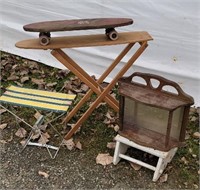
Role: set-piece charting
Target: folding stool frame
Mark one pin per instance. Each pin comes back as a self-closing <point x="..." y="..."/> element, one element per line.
<point x="38" y="123"/>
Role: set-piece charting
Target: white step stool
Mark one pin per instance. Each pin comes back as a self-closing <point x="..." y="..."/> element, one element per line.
<point x="123" y="144"/>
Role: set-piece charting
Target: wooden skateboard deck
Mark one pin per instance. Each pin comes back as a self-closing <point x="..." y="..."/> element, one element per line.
<point x="44" y="28"/>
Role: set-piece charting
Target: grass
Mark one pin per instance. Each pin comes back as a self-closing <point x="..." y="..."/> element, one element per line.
<point x="94" y="132"/>
<point x="186" y="161"/>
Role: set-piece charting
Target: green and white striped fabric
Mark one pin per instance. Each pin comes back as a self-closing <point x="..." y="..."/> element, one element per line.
<point x="39" y="99"/>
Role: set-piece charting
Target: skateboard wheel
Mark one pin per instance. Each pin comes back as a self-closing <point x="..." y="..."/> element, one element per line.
<point x="44" y="40"/>
<point x="112" y="33"/>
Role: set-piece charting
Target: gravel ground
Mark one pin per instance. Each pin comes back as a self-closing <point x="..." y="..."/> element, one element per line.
<point x="75" y="169"/>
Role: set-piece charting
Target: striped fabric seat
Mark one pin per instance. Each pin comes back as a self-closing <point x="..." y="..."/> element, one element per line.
<point x="39" y="99"/>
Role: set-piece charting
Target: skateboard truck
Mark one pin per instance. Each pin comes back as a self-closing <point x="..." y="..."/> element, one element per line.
<point x="45" y="37"/>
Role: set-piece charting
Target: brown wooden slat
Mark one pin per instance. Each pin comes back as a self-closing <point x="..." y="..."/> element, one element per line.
<point x="85" y="41"/>
<point x="149" y="138"/>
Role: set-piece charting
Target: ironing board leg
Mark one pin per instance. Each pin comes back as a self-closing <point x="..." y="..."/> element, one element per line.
<point x="107" y="89"/>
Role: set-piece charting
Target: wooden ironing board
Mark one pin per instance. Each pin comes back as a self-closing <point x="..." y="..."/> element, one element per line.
<point x="58" y="43"/>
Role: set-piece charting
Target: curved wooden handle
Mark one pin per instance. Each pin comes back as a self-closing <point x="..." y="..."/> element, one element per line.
<point x="160" y="87"/>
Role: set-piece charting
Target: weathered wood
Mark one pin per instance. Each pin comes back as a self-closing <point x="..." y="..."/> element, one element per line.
<point x="85" y="41"/>
<point x="159" y="96"/>
<point x="80" y="73"/>
<point x="57" y="43"/>
<point x="77" y="24"/>
<point x="99" y="81"/>
<point x="145" y="136"/>
<point x="153" y="116"/>
<point x="107" y="89"/>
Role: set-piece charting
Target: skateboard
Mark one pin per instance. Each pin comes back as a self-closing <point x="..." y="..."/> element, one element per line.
<point x="45" y="28"/>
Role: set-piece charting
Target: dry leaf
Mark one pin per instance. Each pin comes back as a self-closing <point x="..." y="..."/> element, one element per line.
<point x="196" y="135"/>
<point x="76" y="90"/>
<point x="113" y="95"/>
<point x="67" y="85"/>
<point x="43" y="127"/>
<point x="70" y="92"/>
<point x="163" y="178"/>
<point x="72" y="126"/>
<point x="18" y="83"/>
<point x="13" y="77"/>
<point x="135" y="166"/>
<point x="24" y="79"/>
<point x="75" y="81"/>
<point x="35" y="71"/>
<point x="116" y="128"/>
<point x="33" y="65"/>
<point x="46" y="135"/>
<point x="3" y="126"/>
<point x="101" y="104"/>
<point x="14" y="66"/>
<point x="24" y="72"/>
<point x="106" y="121"/>
<point x="79" y="145"/>
<point x="11" y="138"/>
<point x="44" y="174"/>
<point x="3" y="142"/>
<point x="23" y="142"/>
<point x="183" y="159"/>
<point x="36" y="135"/>
<point x="38" y="81"/>
<point x="111" y="145"/>
<point x="104" y="159"/>
<point x="2" y="111"/>
<point x="21" y="132"/>
<point x="111" y="126"/>
<point x="44" y="138"/>
<point x="190" y="150"/>
<point x="84" y="87"/>
<point x="194" y="118"/>
<point x="81" y="95"/>
<point x="194" y="155"/>
<point x="62" y="73"/>
<point x="187" y="136"/>
<point x="51" y="84"/>
<point x="108" y="115"/>
<point x="4" y="62"/>
<point x="69" y="144"/>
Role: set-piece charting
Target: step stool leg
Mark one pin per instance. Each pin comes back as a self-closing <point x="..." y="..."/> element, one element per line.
<point x="171" y="154"/>
<point x="162" y="164"/>
<point x="120" y="148"/>
<point x="159" y="169"/>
